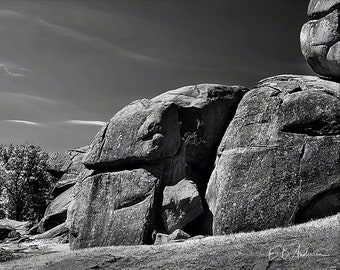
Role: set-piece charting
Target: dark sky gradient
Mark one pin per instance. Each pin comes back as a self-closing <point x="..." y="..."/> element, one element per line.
<point x="84" y="60"/>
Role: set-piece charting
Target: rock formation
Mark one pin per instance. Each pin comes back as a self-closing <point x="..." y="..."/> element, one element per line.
<point x="210" y="159"/>
<point x="66" y="168"/>
<point x="148" y="145"/>
<point x="280" y="151"/>
<point x="320" y="37"/>
<point x="181" y="204"/>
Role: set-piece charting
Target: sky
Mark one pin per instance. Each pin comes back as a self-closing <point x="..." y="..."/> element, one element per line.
<point x="66" y="67"/>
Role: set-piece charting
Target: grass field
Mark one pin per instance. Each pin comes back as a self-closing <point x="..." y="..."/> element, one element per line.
<point x="313" y="245"/>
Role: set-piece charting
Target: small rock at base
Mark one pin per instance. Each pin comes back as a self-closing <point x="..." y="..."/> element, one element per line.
<point x="177" y="235"/>
<point x="161" y="239"/>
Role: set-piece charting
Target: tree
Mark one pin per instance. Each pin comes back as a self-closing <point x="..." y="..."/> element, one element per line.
<point x="24" y="180"/>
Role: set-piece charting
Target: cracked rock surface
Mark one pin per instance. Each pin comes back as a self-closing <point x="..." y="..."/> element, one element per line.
<point x="157" y="142"/>
<point x="114" y="209"/>
<point x="281" y="149"/>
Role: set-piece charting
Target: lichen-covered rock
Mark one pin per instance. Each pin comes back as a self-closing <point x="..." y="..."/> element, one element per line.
<point x="181" y="204"/>
<point x="115" y="208"/>
<point x="280" y="151"/>
<point x="320" y="37"/>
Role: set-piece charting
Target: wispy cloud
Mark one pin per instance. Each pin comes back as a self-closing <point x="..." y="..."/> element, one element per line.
<point x="24" y="98"/>
<point x="9" y="13"/>
<point x="10" y="70"/>
<point x="85" y="122"/>
<point x="119" y="50"/>
<point x="30" y="123"/>
<point x="64" y="30"/>
<point x="66" y="122"/>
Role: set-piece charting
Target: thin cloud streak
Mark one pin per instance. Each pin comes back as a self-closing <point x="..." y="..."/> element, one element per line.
<point x="68" y="32"/>
<point x="9" y="70"/>
<point x="30" y="123"/>
<point x="83" y="37"/>
<point x="9" y="13"/>
<point x="85" y="122"/>
<point x="67" y="122"/>
<point x="26" y="97"/>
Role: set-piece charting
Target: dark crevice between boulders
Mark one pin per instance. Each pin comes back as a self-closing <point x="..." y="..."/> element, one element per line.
<point x="57" y="190"/>
<point x="48" y="223"/>
<point x="154" y="221"/>
<point x="131" y="163"/>
<point x="324" y="204"/>
<point x="202" y="225"/>
<point x="314" y="128"/>
<point x="56" y="174"/>
<point x="102" y="140"/>
<point x="320" y="15"/>
<point x="200" y="155"/>
<point x="158" y="222"/>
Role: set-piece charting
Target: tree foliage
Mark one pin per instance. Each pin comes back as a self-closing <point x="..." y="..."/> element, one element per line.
<point x="24" y="184"/>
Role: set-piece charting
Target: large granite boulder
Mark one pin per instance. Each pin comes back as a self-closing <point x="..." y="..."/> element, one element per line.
<point x="320" y="37"/>
<point x="142" y="131"/>
<point x="116" y="208"/>
<point x="151" y="130"/>
<point x="181" y="205"/>
<point x="163" y="139"/>
<point x="279" y="156"/>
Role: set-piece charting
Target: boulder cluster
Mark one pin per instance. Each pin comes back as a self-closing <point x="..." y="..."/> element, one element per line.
<point x="210" y="159"/>
<point x="320" y="37"/>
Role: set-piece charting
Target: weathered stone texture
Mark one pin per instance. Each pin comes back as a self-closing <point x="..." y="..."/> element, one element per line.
<point x="114" y="209"/>
<point x="162" y="138"/>
<point x="280" y="150"/>
<point x="320" y="37"/>
<point x="181" y="205"/>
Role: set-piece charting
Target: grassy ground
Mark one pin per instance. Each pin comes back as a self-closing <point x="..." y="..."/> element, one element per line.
<point x="314" y="245"/>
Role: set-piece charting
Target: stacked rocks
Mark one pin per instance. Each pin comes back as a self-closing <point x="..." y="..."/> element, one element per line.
<point x="141" y="156"/>
<point x="280" y="152"/>
<point x="320" y="37"/>
<point x="211" y="158"/>
<point x="65" y="167"/>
